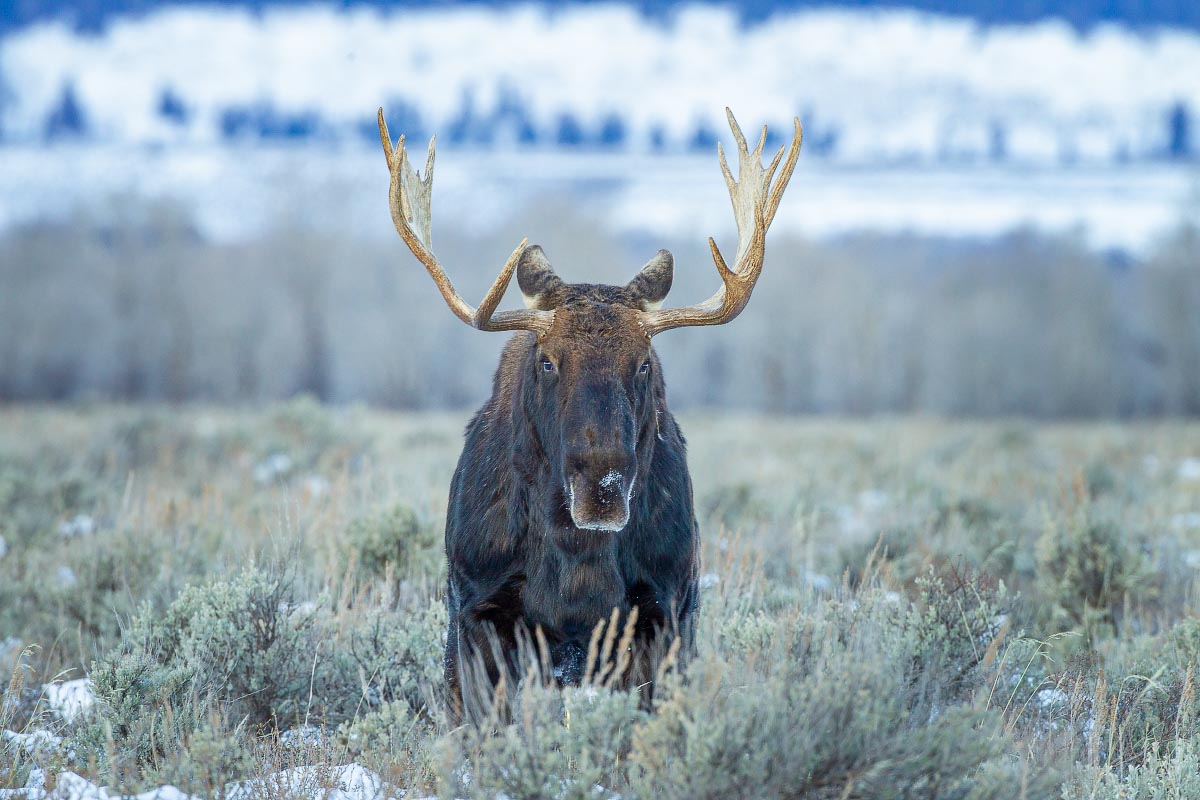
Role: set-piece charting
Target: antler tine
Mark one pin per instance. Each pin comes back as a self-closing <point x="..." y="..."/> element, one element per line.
<point x="409" y="198"/>
<point x="386" y="139"/>
<point x="785" y="174"/>
<point x="429" y="159"/>
<point x="729" y="181"/>
<point x="737" y="132"/>
<point x="755" y="201"/>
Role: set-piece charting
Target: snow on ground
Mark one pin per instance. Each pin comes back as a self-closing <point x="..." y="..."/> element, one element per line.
<point x="81" y="525"/>
<point x="69" y="699"/>
<point x="892" y="85"/>
<point x="349" y="782"/>
<point x="1189" y="469"/>
<point x="34" y="745"/>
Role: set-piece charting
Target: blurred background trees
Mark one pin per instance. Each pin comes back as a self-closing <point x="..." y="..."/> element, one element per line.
<point x="142" y="308"/>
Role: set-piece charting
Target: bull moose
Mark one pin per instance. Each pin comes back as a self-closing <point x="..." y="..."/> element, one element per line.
<point x="571" y="505"/>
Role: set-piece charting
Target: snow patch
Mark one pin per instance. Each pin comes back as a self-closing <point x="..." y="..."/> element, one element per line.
<point x="919" y="87"/>
<point x="69" y="699"/>
<point x="1187" y="521"/>
<point x="78" y="526"/>
<point x="316" y="486"/>
<point x="349" y="782"/>
<point x="35" y="744"/>
<point x="1052" y="698"/>
<point x="818" y="581"/>
<point x="272" y="468"/>
<point x="10" y="647"/>
<point x="305" y="735"/>
<point x="65" y="576"/>
<point x="1189" y="469"/>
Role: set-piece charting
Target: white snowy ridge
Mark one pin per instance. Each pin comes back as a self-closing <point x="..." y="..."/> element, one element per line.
<point x="892" y="86"/>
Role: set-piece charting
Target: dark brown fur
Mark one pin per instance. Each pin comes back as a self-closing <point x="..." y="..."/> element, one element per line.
<point x="596" y="426"/>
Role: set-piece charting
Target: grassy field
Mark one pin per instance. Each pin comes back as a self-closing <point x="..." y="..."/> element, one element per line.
<point x="892" y="608"/>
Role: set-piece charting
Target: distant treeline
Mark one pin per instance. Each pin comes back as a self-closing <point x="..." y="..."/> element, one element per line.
<point x="139" y="307"/>
<point x="1082" y="14"/>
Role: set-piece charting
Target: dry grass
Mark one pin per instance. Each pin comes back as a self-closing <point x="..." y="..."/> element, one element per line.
<point x="893" y="608"/>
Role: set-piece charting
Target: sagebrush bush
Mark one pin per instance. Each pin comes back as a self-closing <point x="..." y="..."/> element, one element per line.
<point x="850" y="700"/>
<point x="1086" y="568"/>
<point x="248" y="639"/>
<point x="852" y="641"/>
<point x="209" y="756"/>
<point x="380" y="657"/>
<point x="561" y="744"/>
<point x="392" y="542"/>
<point x="240" y="647"/>
<point x="36" y="497"/>
<point x="147" y="711"/>
<point x="865" y="696"/>
<point x="962" y="616"/>
<point x="1170" y="775"/>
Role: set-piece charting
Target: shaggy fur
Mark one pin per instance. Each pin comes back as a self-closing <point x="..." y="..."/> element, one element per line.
<point x="548" y="461"/>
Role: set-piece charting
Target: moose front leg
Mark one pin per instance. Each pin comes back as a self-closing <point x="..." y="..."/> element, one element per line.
<point x="664" y="635"/>
<point x="482" y="666"/>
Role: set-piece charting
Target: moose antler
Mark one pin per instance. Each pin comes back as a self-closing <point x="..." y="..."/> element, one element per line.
<point x="755" y="201"/>
<point x="409" y="196"/>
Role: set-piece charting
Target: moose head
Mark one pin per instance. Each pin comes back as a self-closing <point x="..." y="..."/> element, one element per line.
<point x="590" y="389"/>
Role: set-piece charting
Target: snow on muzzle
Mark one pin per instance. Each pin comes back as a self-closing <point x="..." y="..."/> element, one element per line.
<point x="600" y="503"/>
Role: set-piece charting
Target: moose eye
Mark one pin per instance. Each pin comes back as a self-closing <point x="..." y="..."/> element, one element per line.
<point x="547" y="365"/>
<point x="645" y="368"/>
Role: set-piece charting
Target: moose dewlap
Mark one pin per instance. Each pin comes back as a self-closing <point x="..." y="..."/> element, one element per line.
<point x="570" y="533"/>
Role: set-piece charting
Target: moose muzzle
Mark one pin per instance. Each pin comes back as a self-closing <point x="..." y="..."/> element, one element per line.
<point x="599" y="487"/>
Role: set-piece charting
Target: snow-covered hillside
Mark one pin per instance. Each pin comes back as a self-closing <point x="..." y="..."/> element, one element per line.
<point x="870" y="86"/>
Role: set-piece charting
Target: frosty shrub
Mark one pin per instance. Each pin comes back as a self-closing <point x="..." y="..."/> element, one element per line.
<point x="1183" y="644"/>
<point x="239" y="645"/>
<point x="560" y="744"/>
<point x="962" y="615"/>
<point x="384" y="657"/>
<point x="851" y="700"/>
<point x="866" y="696"/>
<point x="1173" y="775"/>
<point x="34" y="497"/>
<point x="393" y="540"/>
<point x="1086" y="569"/>
<point x="394" y="741"/>
<point x="312" y="435"/>
<point x="389" y="728"/>
<point x="147" y="710"/>
<point x="81" y="589"/>
<point x="247" y="638"/>
<point x="208" y="757"/>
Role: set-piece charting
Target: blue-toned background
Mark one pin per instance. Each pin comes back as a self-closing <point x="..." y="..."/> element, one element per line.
<point x="994" y="212"/>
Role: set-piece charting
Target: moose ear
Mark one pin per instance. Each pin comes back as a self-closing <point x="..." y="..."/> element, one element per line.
<point x="651" y="285"/>
<point x="536" y="278"/>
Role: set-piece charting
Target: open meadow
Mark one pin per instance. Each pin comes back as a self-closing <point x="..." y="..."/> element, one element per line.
<point x="890" y="608"/>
